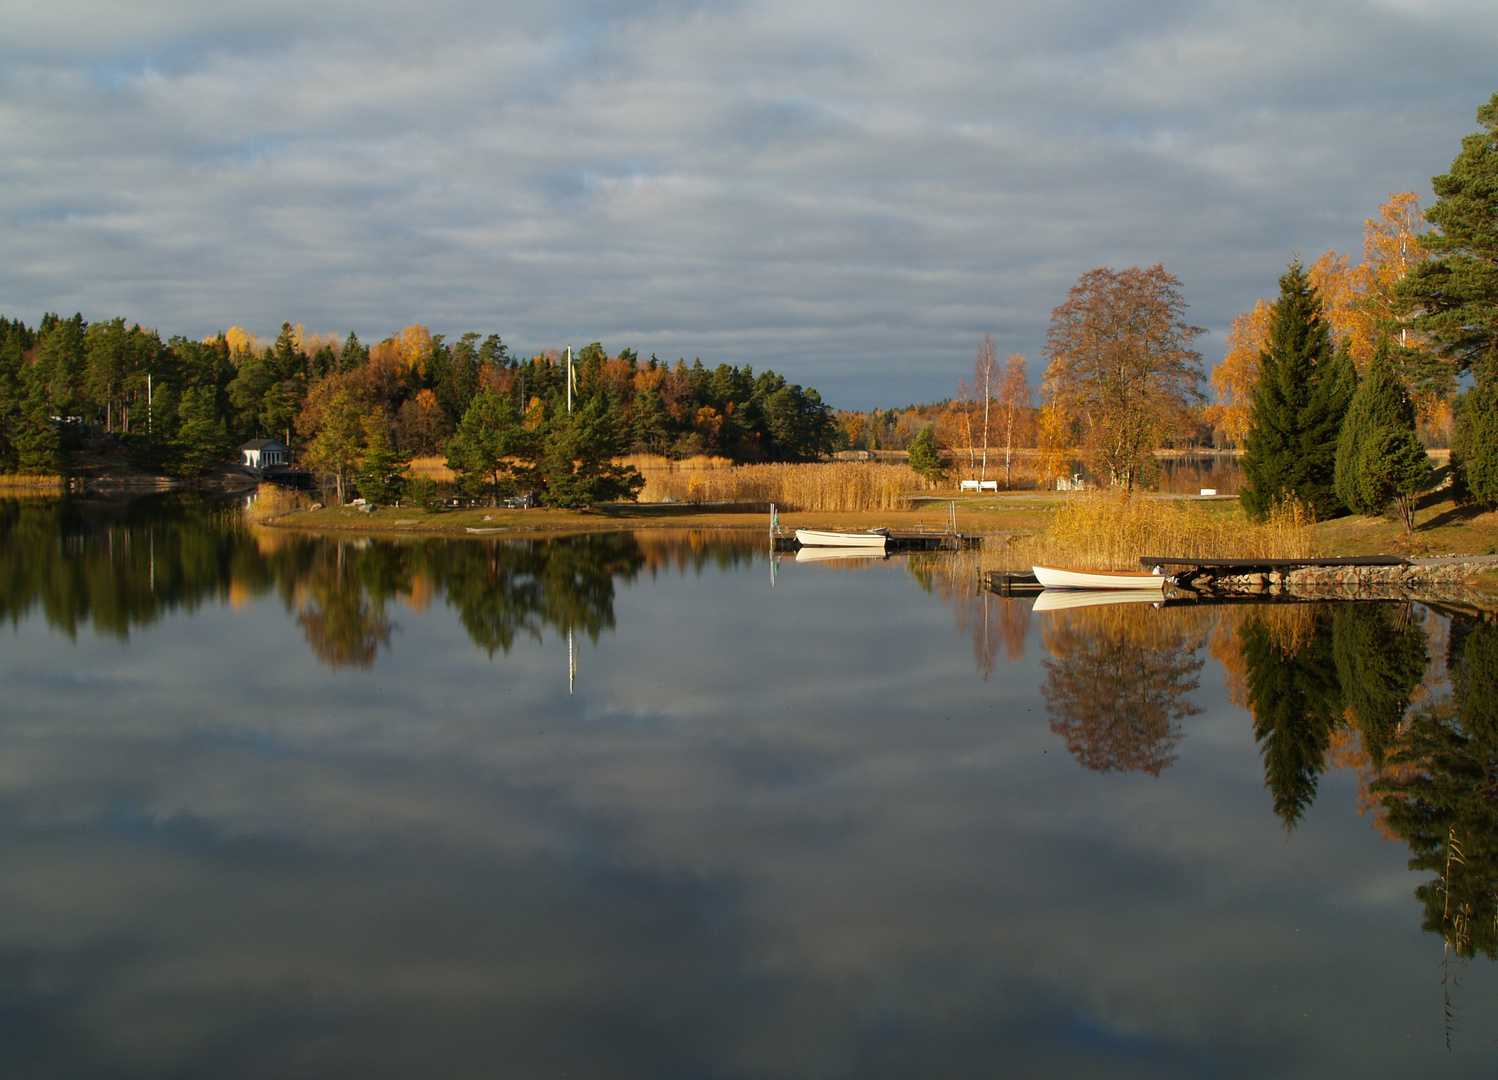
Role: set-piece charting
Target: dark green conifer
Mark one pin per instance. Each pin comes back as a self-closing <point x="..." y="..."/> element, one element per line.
<point x="924" y="458"/>
<point x="382" y="468"/>
<point x="1380" y="402"/>
<point x="203" y="438"/>
<point x="1454" y="293"/>
<point x="1474" y="446"/>
<point x="1299" y="401"/>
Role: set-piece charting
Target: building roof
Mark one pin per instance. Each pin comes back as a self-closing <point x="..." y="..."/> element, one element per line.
<point x="264" y="444"/>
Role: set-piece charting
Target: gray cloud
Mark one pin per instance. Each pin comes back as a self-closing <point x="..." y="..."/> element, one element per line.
<point x="851" y="194"/>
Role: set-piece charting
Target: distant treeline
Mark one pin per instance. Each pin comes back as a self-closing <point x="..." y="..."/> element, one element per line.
<point x="181" y="405"/>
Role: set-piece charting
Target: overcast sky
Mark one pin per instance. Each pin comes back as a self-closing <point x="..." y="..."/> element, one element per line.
<point x="849" y="193"/>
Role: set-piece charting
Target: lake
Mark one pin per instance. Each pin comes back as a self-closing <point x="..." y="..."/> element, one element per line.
<point x="648" y="805"/>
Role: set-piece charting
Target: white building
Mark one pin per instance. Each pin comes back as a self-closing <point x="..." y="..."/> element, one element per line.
<point x="263" y="453"/>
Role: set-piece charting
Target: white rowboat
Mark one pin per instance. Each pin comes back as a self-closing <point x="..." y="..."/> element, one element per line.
<point x="1061" y="577"/>
<point x="876" y="538"/>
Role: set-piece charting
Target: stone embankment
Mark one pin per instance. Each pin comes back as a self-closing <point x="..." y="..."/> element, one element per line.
<point x="1453" y="576"/>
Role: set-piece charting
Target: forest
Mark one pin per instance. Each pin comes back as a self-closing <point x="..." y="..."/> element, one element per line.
<point x="181" y="406"/>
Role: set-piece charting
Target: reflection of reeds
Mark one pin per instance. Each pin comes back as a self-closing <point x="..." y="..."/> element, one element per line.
<point x="1138" y="625"/>
<point x="1109" y="532"/>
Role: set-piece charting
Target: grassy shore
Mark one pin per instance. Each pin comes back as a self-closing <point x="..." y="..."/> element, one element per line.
<point x="1015" y="524"/>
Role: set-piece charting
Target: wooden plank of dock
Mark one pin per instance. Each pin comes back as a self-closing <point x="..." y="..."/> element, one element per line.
<point x="1248" y="566"/>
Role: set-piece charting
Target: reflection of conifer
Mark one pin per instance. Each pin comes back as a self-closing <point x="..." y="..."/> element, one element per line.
<point x="1296" y="703"/>
<point x="1474" y="677"/>
<point x="1381" y="658"/>
<point x="1437" y="796"/>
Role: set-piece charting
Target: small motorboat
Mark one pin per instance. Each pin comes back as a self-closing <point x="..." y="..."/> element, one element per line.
<point x="1061" y="577"/>
<point x="874" y="538"/>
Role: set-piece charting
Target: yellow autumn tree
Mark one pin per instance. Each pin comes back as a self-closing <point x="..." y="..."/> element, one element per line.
<point x="1053" y="440"/>
<point x="1234" y="378"/>
<point x="1359" y="300"/>
<point x="1343" y="288"/>
<point x="413" y="347"/>
<point x="241" y="342"/>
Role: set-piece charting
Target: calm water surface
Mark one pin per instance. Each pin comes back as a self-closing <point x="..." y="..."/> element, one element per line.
<point x="273" y="805"/>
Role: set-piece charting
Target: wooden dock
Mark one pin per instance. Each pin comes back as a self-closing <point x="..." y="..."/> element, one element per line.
<point x="1183" y="571"/>
<point x="1012" y="582"/>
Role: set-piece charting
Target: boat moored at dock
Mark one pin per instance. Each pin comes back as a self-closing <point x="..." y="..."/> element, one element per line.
<point x="873" y="538"/>
<point x="1062" y="577"/>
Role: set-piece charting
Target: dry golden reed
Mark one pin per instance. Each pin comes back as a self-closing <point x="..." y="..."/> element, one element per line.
<point x="431" y="468"/>
<point x="18" y="484"/>
<point x="1109" y="532"/>
<point x="812" y="487"/>
<point x="273" y="500"/>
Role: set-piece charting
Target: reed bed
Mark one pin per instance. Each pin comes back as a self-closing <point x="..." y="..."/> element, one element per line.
<point x="811" y="487"/>
<point x="431" y="468"/>
<point x="17" y="483"/>
<point x="1109" y="532"/>
<point x="273" y="500"/>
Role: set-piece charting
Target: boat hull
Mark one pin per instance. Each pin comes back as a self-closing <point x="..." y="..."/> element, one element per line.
<point x="1062" y="577"/>
<point x="818" y="538"/>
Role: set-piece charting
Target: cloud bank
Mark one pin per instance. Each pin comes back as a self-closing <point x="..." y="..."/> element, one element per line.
<point x="851" y="194"/>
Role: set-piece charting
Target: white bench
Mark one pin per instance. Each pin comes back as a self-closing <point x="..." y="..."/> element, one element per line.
<point x="979" y="485"/>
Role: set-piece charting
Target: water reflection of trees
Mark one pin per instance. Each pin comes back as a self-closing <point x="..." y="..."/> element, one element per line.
<point x="1312" y="670"/>
<point x="1119" y="682"/>
<point x="1426" y="746"/>
<point x="120" y="566"/>
<point x="1439" y="792"/>
<point x="992" y="623"/>
<point x="117" y="565"/>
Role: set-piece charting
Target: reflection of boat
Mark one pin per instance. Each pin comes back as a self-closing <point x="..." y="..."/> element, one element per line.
<point x="1061" y="577"/>
<point x="874" y="538"/>
<point x="1062" y="599"/>
<point x="823" y="554"/>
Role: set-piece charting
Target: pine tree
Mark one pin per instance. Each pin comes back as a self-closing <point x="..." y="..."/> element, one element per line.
<point x="485" y="449"/>
<point x="1380" y="402"/>
<point x="382" y="468"/>
<point x="923" y="456"/>
<point x="1455" y="292"/>
<point x="1299" y="401"/>
<point x="1474" y="446"/>
<point x="38" y="448"/>
<point x="576" y="461"/>
<point x="203" y="438"/>
<point x="1393" y="468"/>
